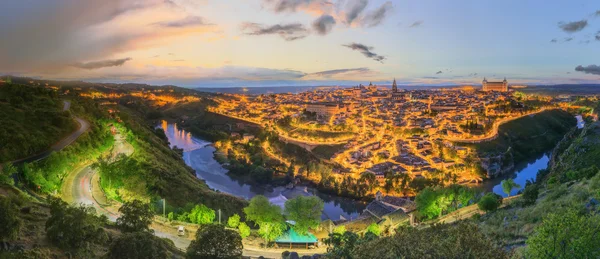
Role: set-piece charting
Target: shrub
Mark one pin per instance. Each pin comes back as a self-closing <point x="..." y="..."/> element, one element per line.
<point x="489" y="202"/>
<point x="374" y="229"/>
<point x="9" y="216"/>
<point x="214" y="241"/>
<point x="138" y="245"/>
<point x="530" y="194"/>
<point x="233" y="221"/>
<point x="244" y="230"/>
<point x="136" y="216"/>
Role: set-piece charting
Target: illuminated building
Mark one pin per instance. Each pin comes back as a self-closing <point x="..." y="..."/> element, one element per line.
<point x="495" y="86"/>
<point x="323" y="109"/>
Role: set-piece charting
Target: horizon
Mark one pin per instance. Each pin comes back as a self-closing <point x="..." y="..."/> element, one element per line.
<point x="198" y="44"/>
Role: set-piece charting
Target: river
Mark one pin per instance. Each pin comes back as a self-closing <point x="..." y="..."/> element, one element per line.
<point x="522" y="172"/>
<point x="199" y="154"/>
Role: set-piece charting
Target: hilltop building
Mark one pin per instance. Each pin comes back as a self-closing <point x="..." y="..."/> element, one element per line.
<point x="323" y="109"/>
<point x="495" y="86"/>
<point x="397" y="96"/>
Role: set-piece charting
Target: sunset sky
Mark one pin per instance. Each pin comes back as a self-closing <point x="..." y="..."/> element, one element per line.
<point x="224" y="43"/>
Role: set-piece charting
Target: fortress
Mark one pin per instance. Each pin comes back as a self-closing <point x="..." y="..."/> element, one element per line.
<point x="495" y="86"/>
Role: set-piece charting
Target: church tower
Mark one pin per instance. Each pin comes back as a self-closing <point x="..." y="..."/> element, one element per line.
<point x="394" y="86"/>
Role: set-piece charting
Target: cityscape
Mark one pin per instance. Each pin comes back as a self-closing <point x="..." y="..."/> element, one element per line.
<point x="299" y="129"/>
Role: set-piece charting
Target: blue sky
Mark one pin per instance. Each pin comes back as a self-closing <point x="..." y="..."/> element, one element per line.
<point x="209" y="43"/>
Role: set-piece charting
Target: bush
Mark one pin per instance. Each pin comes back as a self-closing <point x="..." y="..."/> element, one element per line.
<point x="201" y="214"/>
<point x="138" y="245"/>
<point x="489" y="202"/>
<point x="233" y="221"/>
<point x="244" y="230"/>
<point x="74" y="227"/>
<point x="530" y="194"/>
<point x="374" y="229"/>
<point x="136" y="216"/>
<point x="9" y="216"/>
<point x="214" y="241"/>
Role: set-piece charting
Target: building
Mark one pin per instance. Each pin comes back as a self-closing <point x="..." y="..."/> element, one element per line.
<point x="495" y="86"/>
<point x="323" y="109"/>
<point x="397" y="96"/>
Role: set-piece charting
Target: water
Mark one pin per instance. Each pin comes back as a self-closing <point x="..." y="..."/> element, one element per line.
<point x="199" y="154"/>
<point x="522" y="172"/>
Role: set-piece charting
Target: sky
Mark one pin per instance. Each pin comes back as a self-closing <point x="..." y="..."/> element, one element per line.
<point x="246" y="43"/>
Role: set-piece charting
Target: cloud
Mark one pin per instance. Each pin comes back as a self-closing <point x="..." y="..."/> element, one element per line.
<point x="317" y="7"/>
<point x="553" y="40"/>
<point x="571" y="27"/>
<point x="324" y="24"/>
<point x="354" y="8"/>
<point x="362" y="71"/>
<point x="473" y="74"/>
<point x="416" y="24"/>
<point x="375" y="17"/>
<point x="102" y="63"/>
<point x="46" y="36"/>
<point x="590" y="69"/>
<point x="597" y="35"/>
<point x="567" y="39"/>
<point x="288" y="32"/>
<point x="438" y="72"/>
<point x="189" y="21"/>
<point x="365" y="50"/>
<point x="597" y="13"/>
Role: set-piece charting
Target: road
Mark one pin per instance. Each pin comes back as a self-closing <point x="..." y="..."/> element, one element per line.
<point x="58" y="146"/>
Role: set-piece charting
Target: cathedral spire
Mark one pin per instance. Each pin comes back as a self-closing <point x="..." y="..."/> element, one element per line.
<point x="394" y="86"/>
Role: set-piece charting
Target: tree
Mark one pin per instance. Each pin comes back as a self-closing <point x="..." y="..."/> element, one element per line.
<point x="508" y="185"/>
<point x="530" y="193"/>
<point x="305" y="211"/>
<point x="138" y="245"/>
<point x="489" y="202"/>
<point x="135" y="216"/>
<point x="74" y="227"/>
<point x="339" y="229"/>
<point x="244" y="230"/>
<point x="170" y="216"/>
<point x="267" y="216"/>
<point x="6" y="174"/>
<point x="214" y="241"/>
<point x="374" y="229"/>
<point x="566" y="235"/>
<point x="9" y="216"/>
<point x="201" y="214"/>
<point x="342" y="245"/>
<point x="233" y="221"/>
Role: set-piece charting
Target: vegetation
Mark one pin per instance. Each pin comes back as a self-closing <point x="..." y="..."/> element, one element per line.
<point x="440" y="241"/>
<point x="74" y="228"/>
<point x="138" y="245"/>
<point x="214" y="241"/>
<point x="244" y="230"/>
<point x="267" y="216"/>
<point x="233" y="221"/>
<point x="433" y="202"/>
<point x="9" y="216"/>
<point x="489" y="202"/>
<point x="305" y="211"/>
<point x="374" y="229"/>
<point x="530" y="193"/>
<point x="566" y="235"/>
<point x="136" y="216"/>
<point x="32" y="119"/>
<point x="508" y="185"/>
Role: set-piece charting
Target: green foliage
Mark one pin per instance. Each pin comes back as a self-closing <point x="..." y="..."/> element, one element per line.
<point x="233" y="221"/>
<point x="136" y="216"/>
<point x="138" y="245"/>
<point x="566" y="235"/>
<point x="374" y="229"/>
<point x="201" y="214"/>
<point x="508" y="185"/>
<point x="74" y="228"/>
<point x="530" y="193"/>
<point x="342" y="245"/>
<point x="214" y="241"/>
<point x="305" y="211"/>
<point x="9" y="216"/>
<point x="170" y="216"/>
<point x="439" y="241"/>
<point x="339" y="229"/>
<point x="267" y="216"/>
<point x="6" y="174"/>
<point x="489" y="202"/>
<point x="31" y="120"/>
<point x="244" y="230"/>
<point x="433" y="202"/>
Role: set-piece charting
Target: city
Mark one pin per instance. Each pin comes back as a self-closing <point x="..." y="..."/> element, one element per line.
<point x="299" y="129"/>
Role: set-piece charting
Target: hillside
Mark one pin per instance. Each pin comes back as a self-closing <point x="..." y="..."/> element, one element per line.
<point x="529" y="136"/>
<point x="32" y="119"/>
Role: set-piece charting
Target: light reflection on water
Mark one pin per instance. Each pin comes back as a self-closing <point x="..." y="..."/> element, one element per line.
<point x="199" y="154"/>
